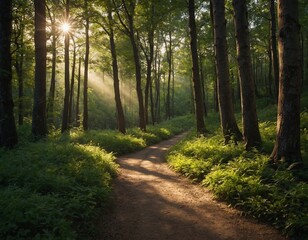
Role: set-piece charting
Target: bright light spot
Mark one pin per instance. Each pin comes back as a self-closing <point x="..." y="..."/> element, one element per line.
<point x="65" y="27"/>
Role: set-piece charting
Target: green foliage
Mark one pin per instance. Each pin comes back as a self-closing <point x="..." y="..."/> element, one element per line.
<point x="246" y="179"/>
<point x="49" y="189"/>
<point x="135" y="139"/>
<point x="55" y="188"/>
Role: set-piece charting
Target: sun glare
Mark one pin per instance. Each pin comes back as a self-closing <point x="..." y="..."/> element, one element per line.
<point x="65" y="27"/>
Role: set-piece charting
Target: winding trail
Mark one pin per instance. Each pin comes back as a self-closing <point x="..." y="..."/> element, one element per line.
<point x="154" y="203"/>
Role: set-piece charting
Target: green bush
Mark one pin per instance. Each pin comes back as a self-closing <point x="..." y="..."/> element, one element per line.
<point x="49" y="189"/>
<point x="55" y="188"/>
<point x="246" y="179"/>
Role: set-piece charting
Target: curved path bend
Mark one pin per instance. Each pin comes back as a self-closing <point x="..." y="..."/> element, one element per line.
<point x="154" y="203"/>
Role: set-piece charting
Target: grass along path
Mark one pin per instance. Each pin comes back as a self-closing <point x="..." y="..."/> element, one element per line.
<point x="153" y="202"/>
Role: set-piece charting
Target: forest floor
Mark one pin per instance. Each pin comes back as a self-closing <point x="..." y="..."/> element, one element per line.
<point x="151" y="202"/>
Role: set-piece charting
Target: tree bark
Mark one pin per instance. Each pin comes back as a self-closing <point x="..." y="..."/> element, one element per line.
<point x="274" y="47"/>
<point x="287" y="145"/>
<point x="227" y="118"/>
<point x="130" y="29"/>
<point x="71" y="105"/>
<point x="85" y="123"/>
<point x="52" y="90"/>
<point x="8" y="134"/>
<point x="169" y="60"/>
<point x="196" y="77"/>
<point x="251" y="132"/>
<point x="19" y="63"/>
<point x="116" y="81"/>
<point x="78" y="94"/>
<point x="39" y="123"/>
<point x="215" y="93"/>
<point x="66" y="74"/>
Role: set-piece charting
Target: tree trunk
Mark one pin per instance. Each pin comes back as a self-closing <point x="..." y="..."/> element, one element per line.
<point x="8" y="134"/>
<point x="274" y="47"/>
<point x="227" y="118"/>
<point x="169" y="60"/>
<point x="196" y="77"/>
<point x="148" y="84"/>
<point x="19" y="63"/>
<point x="66" y="75"/>
<point x="287" y="145"/>
<point x="71" y="105"/>
<point x="52" y="90"/>
<point x="86" y="71"/>
<point x="157" y="85"/>
<point x="202" y="79"/>
<point x="249" y="114"/>
<point x="39" y="123"/>
<point x="116" y="82"/>
<point x="78" y="94"/>
<point x="270" y="71"/>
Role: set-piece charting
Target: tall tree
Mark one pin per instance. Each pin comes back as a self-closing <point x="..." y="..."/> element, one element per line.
<point x="249" y="113"/>
<point x="65" y="123"/>
<point x="274" y="52"/>
<point x="196" y="72"/>
<point x="78" y="93"/>
<point x="85" y="122"/>
<point x="129" y="8"/>
<point x="39" y="124"/>
<point x="8" y="134"/>
<point x="115" y="70"/>
<point x="227" y="118"/>
<point x="287" y="146"/>
<point x="52" y="89"/>
<point x="71" y="105"/>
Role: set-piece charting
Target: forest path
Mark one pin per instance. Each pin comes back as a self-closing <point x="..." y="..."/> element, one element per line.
<point x="154" y="203"/>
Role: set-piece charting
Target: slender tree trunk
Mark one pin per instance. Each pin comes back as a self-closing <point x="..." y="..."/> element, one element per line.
<point x="39" y="123"/>
<point x="78" y="94"/>
<point x="169" y="60"/>
<point x="227" y="118"/>
<point x="215" y="94"/>
<point x="142" y="124"/>
<point x="274" y="47"/>
<point x="65" y="125"/>
<point x="157" y="84"/>
<point x="148" y="85"/>
<point x="71" y="105"/>
<point x="249" y="113"/>
<point x="270" y="71"/>
<point x="152" y="104"/>
<point x="86" y="71"/>
<point x="173" y="91"/>
<point x="19" y="63"/>
<point x="202" y="78"/>
<point x="196" y="76"/>
<point x="8" y="134"/>
<point x="52" y="90"/>
<point x="116" y="82"/>
<point x="20" y="76"/>
<point x="302" y="60"/>
<point x="287" y="145"/>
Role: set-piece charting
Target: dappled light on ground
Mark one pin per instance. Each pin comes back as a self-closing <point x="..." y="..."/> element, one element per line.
<point x="152" y="202"/>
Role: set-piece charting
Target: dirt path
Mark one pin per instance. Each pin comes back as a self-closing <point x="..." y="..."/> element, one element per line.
<point x="153" y="202"/>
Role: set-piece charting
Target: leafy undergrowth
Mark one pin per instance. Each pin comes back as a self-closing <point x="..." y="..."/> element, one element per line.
<point x="246" y="180"/>
<point x="135" y="139"/>
<point x="55" y="188"/>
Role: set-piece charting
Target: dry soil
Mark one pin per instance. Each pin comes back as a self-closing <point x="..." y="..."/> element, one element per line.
<point x="152" y="202"/>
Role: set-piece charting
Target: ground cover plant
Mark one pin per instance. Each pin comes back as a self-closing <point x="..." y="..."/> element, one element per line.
<point x="55" y="188"/>
<point x="246" y="180"/>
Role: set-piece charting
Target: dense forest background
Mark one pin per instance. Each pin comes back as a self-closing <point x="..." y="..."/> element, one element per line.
<point x="163" y="41"/>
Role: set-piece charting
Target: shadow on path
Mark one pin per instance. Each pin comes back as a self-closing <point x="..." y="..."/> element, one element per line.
<point x="154" y="203"/>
